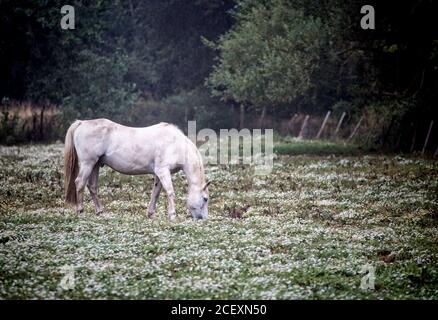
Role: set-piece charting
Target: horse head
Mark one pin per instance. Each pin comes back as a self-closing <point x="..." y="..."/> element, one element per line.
<point x="197" y="202"/>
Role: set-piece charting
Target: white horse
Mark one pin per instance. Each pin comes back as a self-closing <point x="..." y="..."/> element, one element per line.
<point x="160" y="149"/>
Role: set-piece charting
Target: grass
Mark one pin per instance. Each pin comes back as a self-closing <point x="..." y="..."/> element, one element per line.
<point x="310" y="228"/>
<point x="315" y="147"/>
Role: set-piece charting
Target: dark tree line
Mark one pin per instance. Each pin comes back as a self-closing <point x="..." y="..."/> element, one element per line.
<point x="141" y="61"/>
<point x="118" y="51"/>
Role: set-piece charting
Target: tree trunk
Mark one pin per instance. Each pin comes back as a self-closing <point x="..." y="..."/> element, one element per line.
<point x="414" y="138"/>
<point x="42" y="122"/>
<point x="34" y="126"/>
<point x="388" y="131"/>
<point x="397" y="144"/>
<point x="242" y="117"/>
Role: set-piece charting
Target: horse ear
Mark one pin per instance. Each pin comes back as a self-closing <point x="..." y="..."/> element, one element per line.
<point x="206" y="185"/>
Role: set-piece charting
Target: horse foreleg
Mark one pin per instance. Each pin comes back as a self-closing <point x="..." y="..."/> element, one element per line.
<point x="93" y="187"/>
<point x="154" y="197"/>
<point x="81" y="181"/>
<point x="166" y="181"/>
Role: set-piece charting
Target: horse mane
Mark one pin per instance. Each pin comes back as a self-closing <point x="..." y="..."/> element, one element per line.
<point x="165" y="124"/>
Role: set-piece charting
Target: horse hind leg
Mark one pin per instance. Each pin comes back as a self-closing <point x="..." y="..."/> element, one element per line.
<point x="166" y="181"/>
<point x="154" y="197"/>
<point x="93" y="187"/>
<point x="81" y="180"/>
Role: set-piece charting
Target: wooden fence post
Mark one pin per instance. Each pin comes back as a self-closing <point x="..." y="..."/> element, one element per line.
<point x="290" y="122"/>
<point x="323" y="124"/>
<point x="303" y="127"/>
<point x="340" y="122"/>
<point x="262" y="117"/>
<point x="427" y="138"/>
<point x="355" y="129"/>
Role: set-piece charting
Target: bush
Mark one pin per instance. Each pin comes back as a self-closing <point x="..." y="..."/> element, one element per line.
<point x="178" y="109"/>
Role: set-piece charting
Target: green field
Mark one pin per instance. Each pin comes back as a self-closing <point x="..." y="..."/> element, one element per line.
<point x="310" y="228"/>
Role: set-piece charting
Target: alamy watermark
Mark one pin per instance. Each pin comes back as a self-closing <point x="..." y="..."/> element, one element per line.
<point x="68" y="19"/>
<point x="368" y="280"/>
<point x="68" y="280"/>
<point x="367" y="22"/>
<point x="256" y="148"/>
<point x="369" y="18"/>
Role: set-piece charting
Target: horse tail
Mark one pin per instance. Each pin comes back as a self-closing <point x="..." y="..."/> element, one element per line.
<point x="71" y="165"/>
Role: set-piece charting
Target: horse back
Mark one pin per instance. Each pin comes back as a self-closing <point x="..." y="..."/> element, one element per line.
<point x="132" y="150"/>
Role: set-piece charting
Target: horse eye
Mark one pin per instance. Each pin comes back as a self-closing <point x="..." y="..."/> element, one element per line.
<point x="205" y="199"/>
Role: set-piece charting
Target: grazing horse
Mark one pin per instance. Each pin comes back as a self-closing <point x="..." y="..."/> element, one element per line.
<point x="160" y="149"/>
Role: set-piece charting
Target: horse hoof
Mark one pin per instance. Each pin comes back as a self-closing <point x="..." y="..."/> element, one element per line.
<point x="172" y="217"/>
<point x="151" y="215"/>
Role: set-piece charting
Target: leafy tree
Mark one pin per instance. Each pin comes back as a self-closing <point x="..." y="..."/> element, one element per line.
<point x="269" y="56"/>
<point x="118" y="50"/>
<point x="84" y="69"/>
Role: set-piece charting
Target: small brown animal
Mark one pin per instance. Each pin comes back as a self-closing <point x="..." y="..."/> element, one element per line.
<point x="237" y="213"/>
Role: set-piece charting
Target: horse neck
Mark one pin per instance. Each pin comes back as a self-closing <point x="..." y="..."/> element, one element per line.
<point x="194" y="171"/>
